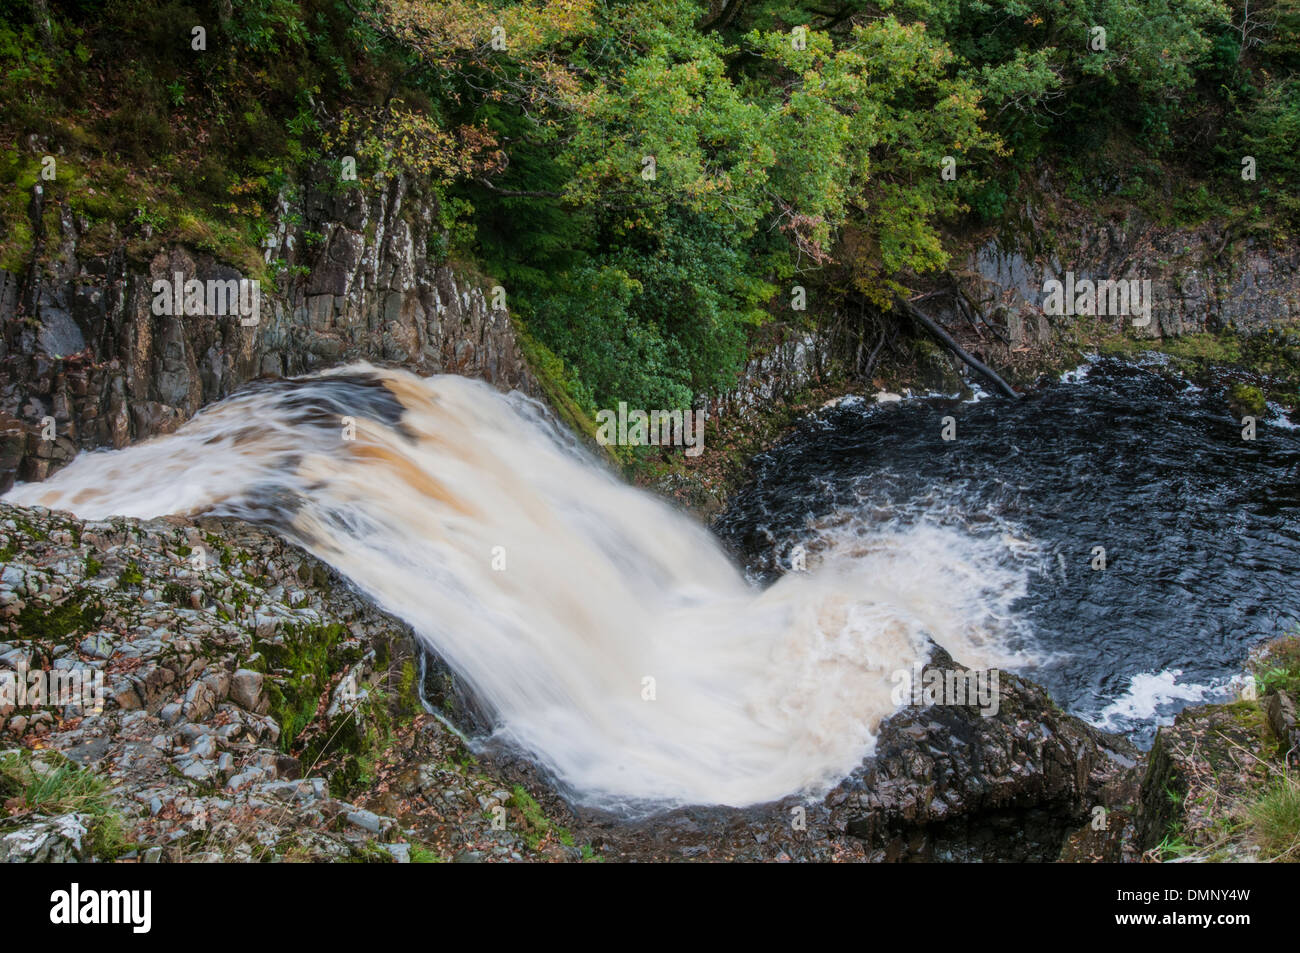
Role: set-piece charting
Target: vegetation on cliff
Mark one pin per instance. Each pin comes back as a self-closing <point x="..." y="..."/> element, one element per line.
<point x="1221" y="782"/>
<point x="648" y="181"/>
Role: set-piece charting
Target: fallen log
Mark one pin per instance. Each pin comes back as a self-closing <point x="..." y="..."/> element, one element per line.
<point x="947" y="341"/>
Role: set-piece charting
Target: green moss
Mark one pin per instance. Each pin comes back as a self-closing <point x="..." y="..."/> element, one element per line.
<point x="406" y="684"/>
<point x="1204" y="348"/>
<point x="408" y="692"/>
<point x="17" y="241"/>
<point x="176" y="594"/>
<point x="536" y="824"/>
<point x="558" y="387"/>
<point x="29" y="530"/>
<point x="215" y="544"/>
<point x="1269" y="358"/>
<point x="366" y="736"/>
<point x="1249" y="399"/>
<point x="130" y="575"/>
<point x="422" y="855"/>
<point x="302" y="658"/>
<point x="1248" y="714"/>
<point x="371" y="853"/>
<point x="56" y="622"/>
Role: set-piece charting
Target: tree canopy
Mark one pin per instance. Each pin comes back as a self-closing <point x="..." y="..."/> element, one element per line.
<point x="649" y="178"/>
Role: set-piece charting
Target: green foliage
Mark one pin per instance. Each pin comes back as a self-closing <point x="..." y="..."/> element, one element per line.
<point x="1249" y="398"/>
<point x="422" y="855"/>
<point x="212" y="134"/>
<point x="1280" y="670"/>
<point x="1271" y="134"/>
<point x="536" y="824"/>
<point x="653" y="326"/>
<point x="49" y="784"/>
<point x="1173" y="845"/>
<point x="1275" y="820"/>
<point x="647" y="179"/>
<point x="696" y="184"/>
<point x="130" y="575"/>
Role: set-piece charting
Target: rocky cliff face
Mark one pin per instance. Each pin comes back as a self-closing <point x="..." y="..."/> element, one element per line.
<point x="788" y="361"/>
<point x="994" y="303"/>
<point x="1201" y="280"/>
<point x="252" y="706"/>
<point x="80" y="342"/>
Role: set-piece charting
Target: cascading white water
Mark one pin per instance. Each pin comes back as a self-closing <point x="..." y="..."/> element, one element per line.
<point x="756" y="694"/>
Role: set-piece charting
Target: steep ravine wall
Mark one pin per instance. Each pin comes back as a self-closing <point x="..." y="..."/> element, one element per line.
<point x="79" y="341"/>
<point x="1201" y="280"/>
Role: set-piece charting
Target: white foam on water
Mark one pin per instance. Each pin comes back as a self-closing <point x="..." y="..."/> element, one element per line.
<point x="1279" y="417"/>
<point x="1148" y="696"/>
<point x="1080" y="373"/>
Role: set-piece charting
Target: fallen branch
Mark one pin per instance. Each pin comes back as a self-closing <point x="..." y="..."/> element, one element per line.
<point x="947" y="341"/>
<point x="875" y="353"/>
<point x="971" y="307"/>
<point x="515" y="194"/>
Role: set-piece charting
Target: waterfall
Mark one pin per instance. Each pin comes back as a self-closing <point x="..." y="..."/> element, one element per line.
<point x="608" y="635"/>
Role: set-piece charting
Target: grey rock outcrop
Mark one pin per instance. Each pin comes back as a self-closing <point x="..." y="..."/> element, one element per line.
<point x="201" y="735"/>
<point x="79" y="341"/>
<point x="953" y="783"/>
<point x="1200" y="279"/>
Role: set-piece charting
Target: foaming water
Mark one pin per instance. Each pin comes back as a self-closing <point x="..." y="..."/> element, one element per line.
<point x="609" y="636"/>
<point x="1200" y="528"/>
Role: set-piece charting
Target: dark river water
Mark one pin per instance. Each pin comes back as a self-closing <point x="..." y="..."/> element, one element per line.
<point x="1201" y="528"/>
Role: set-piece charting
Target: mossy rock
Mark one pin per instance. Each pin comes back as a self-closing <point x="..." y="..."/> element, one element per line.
<point x="57" y="622"/>
<point x="1247" y="400"/>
